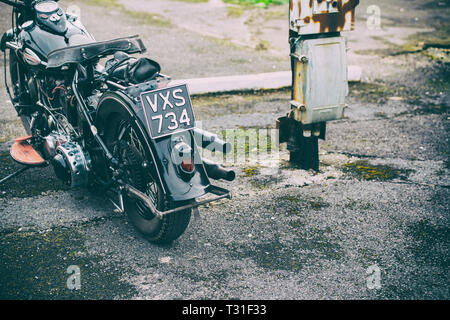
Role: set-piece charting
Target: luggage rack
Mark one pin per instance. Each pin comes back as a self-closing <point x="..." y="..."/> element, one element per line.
<point x="136" y="89"/>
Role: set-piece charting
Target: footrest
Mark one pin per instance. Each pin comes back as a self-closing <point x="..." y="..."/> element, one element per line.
<point x="22" y="152"/>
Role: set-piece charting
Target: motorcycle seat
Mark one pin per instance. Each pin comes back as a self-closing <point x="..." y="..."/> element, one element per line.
<point x="93" y="51"/>
<point x="128" y="69"/>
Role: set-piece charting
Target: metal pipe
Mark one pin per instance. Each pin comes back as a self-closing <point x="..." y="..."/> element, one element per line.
<point x="13" y="46"/>
<point x="93" y="129"/>
<point x="116" y="85"/>
<point x="135" y="193"/>
<point x="211" y="141"/>
<point x="12" y="175"/>
<point x="216" y="171"/>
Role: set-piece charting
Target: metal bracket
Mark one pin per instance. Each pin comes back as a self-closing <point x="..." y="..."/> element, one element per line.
<point x="220" y="193"/>
<point x="302" y="59"/>
<point x="120" y="205"/>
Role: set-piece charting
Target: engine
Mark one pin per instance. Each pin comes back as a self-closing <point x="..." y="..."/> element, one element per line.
<point x="57" y="142"/>
<point x="71" y="164"/>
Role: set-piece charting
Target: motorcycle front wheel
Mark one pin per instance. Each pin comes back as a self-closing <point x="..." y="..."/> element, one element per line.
<point x="127" y="146"/>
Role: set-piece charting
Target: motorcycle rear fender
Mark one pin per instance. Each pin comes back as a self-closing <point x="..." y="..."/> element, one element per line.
<point x="175" y="187"/>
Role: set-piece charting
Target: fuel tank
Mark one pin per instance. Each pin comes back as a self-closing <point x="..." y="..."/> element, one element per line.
<point x="52" y="29"/>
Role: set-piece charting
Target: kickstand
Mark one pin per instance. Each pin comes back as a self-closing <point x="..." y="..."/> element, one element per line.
<point x="12" y="175"/>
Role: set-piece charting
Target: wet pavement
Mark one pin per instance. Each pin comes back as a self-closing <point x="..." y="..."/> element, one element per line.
<point x="381" y="197"/>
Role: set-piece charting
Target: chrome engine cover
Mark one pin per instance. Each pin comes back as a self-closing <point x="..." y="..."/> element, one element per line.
<point x="72" y="164"/>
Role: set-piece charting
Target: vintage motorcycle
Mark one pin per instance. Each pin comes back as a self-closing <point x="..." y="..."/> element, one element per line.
<point x="118" y="127"/>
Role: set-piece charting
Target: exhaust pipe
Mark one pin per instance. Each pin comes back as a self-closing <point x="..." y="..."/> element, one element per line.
<point x="216" y="171"/>
<point x="211" y="141"/>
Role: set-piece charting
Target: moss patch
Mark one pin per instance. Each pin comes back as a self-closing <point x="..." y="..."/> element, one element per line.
<point x="191" y="1"/>
<point x="235" y="12"/>
<point x="261" y="3"/>
<point x="439" y="55"/>
<point x="380" y="93"/>
<point x="250" y="171"/>
<point x="262" y="45"/>
<point x="214" y="104"/>
<point x="439" y="80"/>
<point x="318" y="204"/>
<point x="142" y="17"/>
<point x="422" y="42"/>
<point x="363" y="170"/>
<point x="33" y="265"/>
<point x="10" y="129"/>
<point x="439" y="38"/>
<point x="427" y="247"/>
<point x="425" y="97"/>
<point x="430" y="243"/>
<point x="309" y="247"/>
<point x="275" y="14"/>
<point x="288" y="198"/>
<point x="263" y="182"/>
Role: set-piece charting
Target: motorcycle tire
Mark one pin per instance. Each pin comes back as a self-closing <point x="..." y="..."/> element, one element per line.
<point x="157" y="230"/>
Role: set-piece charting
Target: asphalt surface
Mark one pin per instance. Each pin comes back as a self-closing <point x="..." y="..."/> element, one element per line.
<point x="381" y="197"/>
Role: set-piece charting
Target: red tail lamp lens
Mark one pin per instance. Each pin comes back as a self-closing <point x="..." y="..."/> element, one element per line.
<point x="187" y="165"/>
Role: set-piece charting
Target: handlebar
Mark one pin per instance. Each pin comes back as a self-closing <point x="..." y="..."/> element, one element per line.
<point x="22" y="4"/>
<point x="15" y="4"/>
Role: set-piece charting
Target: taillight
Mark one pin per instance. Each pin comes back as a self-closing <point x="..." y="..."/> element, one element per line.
<point x="187" y="165"/>
<point x="183" y="152"/>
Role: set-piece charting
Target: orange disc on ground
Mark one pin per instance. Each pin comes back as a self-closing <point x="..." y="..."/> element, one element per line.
<point x="23" y="152"/>
<point x="23" y="138"/>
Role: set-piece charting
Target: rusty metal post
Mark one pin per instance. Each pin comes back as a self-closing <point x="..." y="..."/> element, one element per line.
<point x="319" y="74"/>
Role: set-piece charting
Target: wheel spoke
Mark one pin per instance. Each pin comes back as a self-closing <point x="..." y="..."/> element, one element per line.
<point x="127" y="134"/>
<point x="129" y="148"/>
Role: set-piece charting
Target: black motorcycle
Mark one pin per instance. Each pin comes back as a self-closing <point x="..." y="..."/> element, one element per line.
<point x="115" y="126"/>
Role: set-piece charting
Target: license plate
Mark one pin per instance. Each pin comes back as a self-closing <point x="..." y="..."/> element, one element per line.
<point x="168" y="111"/>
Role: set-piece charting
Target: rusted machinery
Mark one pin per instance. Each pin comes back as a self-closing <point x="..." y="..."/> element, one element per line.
<point x="319" y="74"/>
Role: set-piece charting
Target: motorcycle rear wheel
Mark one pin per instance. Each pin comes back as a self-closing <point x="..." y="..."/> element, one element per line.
<point x="128" y="145"/>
